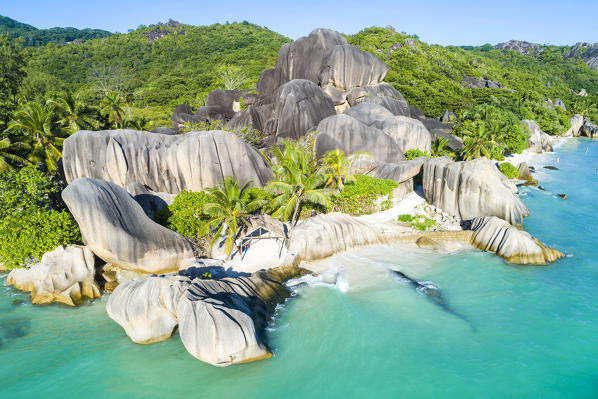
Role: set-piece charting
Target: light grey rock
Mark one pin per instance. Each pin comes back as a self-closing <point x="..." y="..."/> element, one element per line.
<point x="588" y="129"/>
<point x="524" y="172"/>
<point x="253" y="117"/>
<point x="150" y="201"/>
<point x="382" y="94"/>
<point x="303" y="58"/>
<point x="493" y="234"/>
<point x="408" y="133"/>
<point x="576" y="124"/>
<point x="146" y="308"/>
<point x="369" y="113"/>
<point x="299" y="106"/>
<point x="448" y="117"/>
<point x="269" y="81"/>
<point x="165" y="130"/>
<point x="169" y="164"/>
<point x="559" y="103"/>
<point x="324" y="235"/>
<point x="474" y="83"/>
<point x="398" y="171"/>
<point x="350" y="135"/>
<point x="117" y="230"/>
<point x="66" y="275"/>
<point x="582" y="93"/>
<point x="538" y="140"/>
<point x="346" y="67"/>
<point x="525" y="48"/>
<point x="470" y="189"/>
<point x="338" y="96"/>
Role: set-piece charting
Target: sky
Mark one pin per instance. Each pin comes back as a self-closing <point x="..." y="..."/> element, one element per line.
<point x="435" y="22"/>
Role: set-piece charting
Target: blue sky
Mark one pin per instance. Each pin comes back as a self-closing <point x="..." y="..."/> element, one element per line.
<point x="443" y="22"/>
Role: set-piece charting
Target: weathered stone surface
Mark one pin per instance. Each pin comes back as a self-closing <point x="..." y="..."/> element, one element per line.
<point x="346" y="67"/>
<point x="408" y="133"/>
<point x="150" y="201"/>
<point x="398" y="171"/>
<point x="448" y="116"/>
<point x="66" y="275"/>
<point x="303" y="58"/>
<point x="525" y="48"/>
<point x="212" y="113"/>
<point x="454" y="143"/>
<point x="576" y="124"/>
<point x="350" y="135"/>
<point x="165" y="130"/>
<point x="299" y="106"/>
<point x="470" y="189"/>
<point x="116" y="229"/>
<point x="538" y="140"/>
<point x="524" y="172"/>
<point x="588" y="129"/>
<point x="383" y="89"/>
<point x="146" y="308"/>
<point x="221" y="320"/>
<point x="182" y="114"/>
<point x="226" y="98"/>
<point x="324" y="235"/>
<point x="474" y="83"/>
<point x="559" y="103"/>
<point x="369" y="113"/>
<point x="516" y="246"/>
<point x="169" y="164"/>
<point x="269" y="81"/>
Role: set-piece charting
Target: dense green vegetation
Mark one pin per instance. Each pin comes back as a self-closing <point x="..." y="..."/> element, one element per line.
<point x="364" y="196"/>
<point x="509" y="170"/>
<point x="33" y="37"/>
<point x="29" y="226"/>
<point x="417" y="222"/>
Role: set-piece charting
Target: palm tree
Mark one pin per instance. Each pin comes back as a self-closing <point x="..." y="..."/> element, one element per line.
<point x="112" y="106"/>
<point x="298" y="181"/>
<point x="230" y="210"/>
<point x="36" y="122"/>
<point x="337" y="168"/>
<point x="6" y="157"/>
<point x="72" y="111"/>
<point x="440" y="148"/>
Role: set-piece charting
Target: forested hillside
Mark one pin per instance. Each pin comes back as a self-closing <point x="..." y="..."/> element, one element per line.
<point x="33" y="37"/>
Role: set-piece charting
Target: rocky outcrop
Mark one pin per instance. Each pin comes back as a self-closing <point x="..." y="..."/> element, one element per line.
<point x="346" y="67"/>
<point x="576" y="124"/>
<point x="538" y="140"/>
<point x="382" y="94"/>
<point x="165" y="130"/>
<point x="448" y="116"/>
<point x="299" y="106"/>
<point x="169" y="164"/>
<point x="525" y="174"/>
<point x="350" y="135"/>
<point x="587" y="52"/>
<point x="474" y="83"/>
<point x="369" y="113"/>
<point x="324" y="235"/>
<point x="116" y="229"/>
<point x="65" y="275"/>
<point x="408" y="133"/>
<point x="453" y="142"/>
<point x="522" y="47"/>
<point x="492" y="234"/>
<point x="469" y="189"/>
<point x="150" y="201"/>
<point x="588" y="129"/>
<point x="559" y="103"/>
<point x="398" y="171"/>
<point x="221" y="320"/>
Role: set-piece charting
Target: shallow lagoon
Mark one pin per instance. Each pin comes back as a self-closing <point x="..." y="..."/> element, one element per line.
<point x="532" y="331"/>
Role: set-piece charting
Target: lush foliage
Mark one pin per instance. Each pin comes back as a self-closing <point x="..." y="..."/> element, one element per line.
<point x="417" y="222"/>
<point x="28" y="225"/>
<point x="509" y="170"/>
<point x="364" y="196"/>
<point x="12" y="69"/>
<point x="415" y="153"/>
<point x="186" y="215"/>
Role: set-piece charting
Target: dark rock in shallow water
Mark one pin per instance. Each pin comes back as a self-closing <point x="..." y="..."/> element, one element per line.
<point x="550" y="167"/>
<point x="11" y="329"/>
<point x="563" y="196"/>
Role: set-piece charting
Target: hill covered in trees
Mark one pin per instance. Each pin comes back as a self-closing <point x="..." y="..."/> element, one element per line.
<point x="33" y="37"/>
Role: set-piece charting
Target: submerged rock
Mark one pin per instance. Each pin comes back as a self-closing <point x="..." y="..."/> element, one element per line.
<point x="324" y="235"/>
<point x="117" y="230"/>
<point x="469" y="189"/>
<point x="66" y="275"/>
<point x="492" y="234"/>
<point x="168" y="164"/>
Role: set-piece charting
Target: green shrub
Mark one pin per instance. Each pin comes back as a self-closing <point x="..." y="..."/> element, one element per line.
<point x="508" y="170"/>
<point x="406" y="218"/>
<point x="185" y="215"/>
<point x="416" y="153"/>
<point x="360" y="198"/>
<point x="28" y="226"/>
<point x="417" y="222"/>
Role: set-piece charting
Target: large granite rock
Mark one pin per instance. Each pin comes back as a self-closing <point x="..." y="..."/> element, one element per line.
<point x="350" y="135"/>
<point x="454" y="143"/>
<point x="299" y="106"/>
<point x="475" y="83"/>
<point x="116" y="229"/>
<point x="303" y="58"/>
<point x="324" y="235"/>
<point x="66" y="275"/>
<point x="576" y="124"/>
<point x="346" y="67"/>
<point x="150" y="201"/>
<point x="588" y="129"/>
<point x="270" y="80"/>
<point x="399" y="171"/>
<point x="516" y="246"/>
<point x="408" y="133"/>
<point x="470" y="189"/>
<point x="369" y="113"/>
<point x="169" y="164"/>
<point x="222" y="320"/>
<point x="182" y="114"/>
<point x="538" y="140"/>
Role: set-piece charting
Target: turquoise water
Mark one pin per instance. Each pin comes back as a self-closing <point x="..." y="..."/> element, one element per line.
<point x="532" y="331"/>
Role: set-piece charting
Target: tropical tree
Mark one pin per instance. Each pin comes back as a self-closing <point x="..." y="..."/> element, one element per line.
<point x="298" y="181"/>
<point x="12" y="67"/>
<point x="36" y="123"/>
<point x="337" y="167"/>
<point x="477" y="142"/>
<point x="7" y="158"/>
<point x="112" y="106"/>
<point x="440" y="148"/>
<point x="229" y="210"/>
<point x="72" y="111"/>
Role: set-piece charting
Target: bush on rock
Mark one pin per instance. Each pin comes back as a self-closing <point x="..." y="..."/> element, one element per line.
<point x="509" y="170"/>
